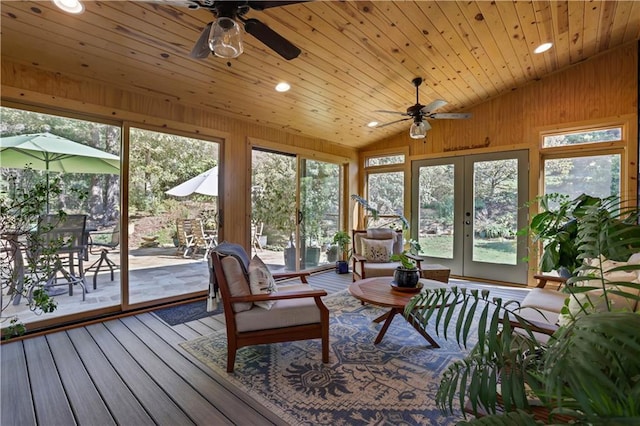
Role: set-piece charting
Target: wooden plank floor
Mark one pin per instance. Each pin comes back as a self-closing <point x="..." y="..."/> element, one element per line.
<point x="129" y="371"/>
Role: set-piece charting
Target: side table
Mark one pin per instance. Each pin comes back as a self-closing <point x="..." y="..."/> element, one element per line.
<point x="433" y="271"/>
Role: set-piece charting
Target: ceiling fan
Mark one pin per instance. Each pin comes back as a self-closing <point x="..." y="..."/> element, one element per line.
<point x="419" y="113"/>
<point x="223" y="36"/>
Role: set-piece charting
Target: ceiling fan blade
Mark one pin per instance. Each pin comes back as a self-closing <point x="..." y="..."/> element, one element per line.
<point x="201" y="49"/>
<point x="427" y="126"/>
<point x="262" y="5"/>
<point x="392" y="122"/>
<point x="438" y="103"/>
<point x="271" y="39"/>
<point x="450" y="115"/>
<point x="391" y="112"/>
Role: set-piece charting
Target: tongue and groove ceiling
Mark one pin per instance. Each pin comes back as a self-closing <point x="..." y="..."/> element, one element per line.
<point x="357" y="56"/>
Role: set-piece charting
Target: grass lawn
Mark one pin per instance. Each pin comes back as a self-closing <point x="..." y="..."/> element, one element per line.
<point x="485" y="250"/>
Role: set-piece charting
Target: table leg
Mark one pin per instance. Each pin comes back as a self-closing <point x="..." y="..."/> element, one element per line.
<point x="422" y="332"/>
<point x="388" y="317"/>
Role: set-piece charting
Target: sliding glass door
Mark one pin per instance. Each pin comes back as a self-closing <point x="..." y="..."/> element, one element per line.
<point x="468" y="213"/>
<point x="295" y="210"/>
<point x="173" y="214"/>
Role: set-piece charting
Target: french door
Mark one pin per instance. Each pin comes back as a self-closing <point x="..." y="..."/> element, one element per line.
<point x="296" y="206"/>
<point x="468" y="211"/>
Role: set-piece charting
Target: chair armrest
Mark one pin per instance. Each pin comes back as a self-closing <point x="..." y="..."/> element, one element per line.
<point x="535" y="326"/>
<point x="542" y="280"/>
<point x="286" y="275"/>
<point x="415" y="258"/>
<point x="282" y="295"/>
<point x="359" y="258"/>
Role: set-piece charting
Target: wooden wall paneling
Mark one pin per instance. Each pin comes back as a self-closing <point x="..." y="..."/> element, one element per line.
<point x="598" y="89"/>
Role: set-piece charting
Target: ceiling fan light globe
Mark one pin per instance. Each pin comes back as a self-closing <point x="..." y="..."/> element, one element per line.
<point x="225" y="38"/>
<point x="418" y="130"/>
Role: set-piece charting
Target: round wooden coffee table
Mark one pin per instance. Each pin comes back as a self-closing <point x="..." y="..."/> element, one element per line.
<point x="378" y="291"/>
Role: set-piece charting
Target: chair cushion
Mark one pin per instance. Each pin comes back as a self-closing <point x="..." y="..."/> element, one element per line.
<point x="594" y="301"/>
<point x="377" y="251"/>
<point x="539" y="316"/>
<point x="386" y="269"/>
<point x="238" y="285"/>
<point x="549" y="300"/>
<point x="283" y="313"/>
<point x="261" y="281"/>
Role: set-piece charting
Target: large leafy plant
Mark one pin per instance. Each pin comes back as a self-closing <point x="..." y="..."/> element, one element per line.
<point x="588" y="370"/>
<point x="21" y="204"/>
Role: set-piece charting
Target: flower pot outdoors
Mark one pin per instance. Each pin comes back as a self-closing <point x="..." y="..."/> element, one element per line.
<point x="342" y="267"/>
<point x="406" y="277"/>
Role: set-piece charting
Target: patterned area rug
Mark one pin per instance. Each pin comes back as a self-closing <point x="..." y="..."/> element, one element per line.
<point x="392" y="383"/>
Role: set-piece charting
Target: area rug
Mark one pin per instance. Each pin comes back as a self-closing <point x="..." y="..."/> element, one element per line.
<point x="392" y="383"/>
<point x="186" y="312"/>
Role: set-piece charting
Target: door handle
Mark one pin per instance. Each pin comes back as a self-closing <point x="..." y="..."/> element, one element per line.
<point x="300" y="217"/>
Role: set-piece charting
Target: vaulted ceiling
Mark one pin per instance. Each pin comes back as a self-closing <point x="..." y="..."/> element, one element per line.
<point x="357" y="56"/>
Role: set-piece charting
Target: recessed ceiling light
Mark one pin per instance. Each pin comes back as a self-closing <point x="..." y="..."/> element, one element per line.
<point x="543" y="48"/>
<point x="70" y="6"/>
<point x="373" y="124"/>
<point x="282" y="87"/>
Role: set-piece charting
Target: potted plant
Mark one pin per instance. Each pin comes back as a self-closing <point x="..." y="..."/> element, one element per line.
<point x="332" y="253"/>
<point x="341" y="239"/>
<point x="587" y="370"/>
<point x="556" y="228"/>
<point x="405" y="275"/>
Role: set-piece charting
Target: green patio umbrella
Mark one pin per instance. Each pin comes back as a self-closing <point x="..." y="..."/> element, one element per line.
<point x="44" y="151"/>
<point x="51" y="153"/>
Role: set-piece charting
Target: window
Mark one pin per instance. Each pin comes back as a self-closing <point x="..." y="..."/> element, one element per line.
<point x="385" y="160"/>
<point x="577" y="162"/>
<point x="613" y="134"/>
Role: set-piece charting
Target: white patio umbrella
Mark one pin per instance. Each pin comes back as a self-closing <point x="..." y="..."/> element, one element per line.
<point x="206" y="183"/>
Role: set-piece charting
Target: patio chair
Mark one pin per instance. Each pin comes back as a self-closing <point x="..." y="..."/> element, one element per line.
<point x="200" y="239"/>
<point x="296" y="312"/>
<point x="67" y="236"/>
<point x="185" y="237"/>
<point x="372" y="249"/>
<point x="105" y="249"/>
<point x="256" y="233"/>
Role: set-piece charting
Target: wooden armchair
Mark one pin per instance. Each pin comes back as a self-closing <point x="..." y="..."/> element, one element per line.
<point x="384" y="239"/>
<point x="297" y="311"/>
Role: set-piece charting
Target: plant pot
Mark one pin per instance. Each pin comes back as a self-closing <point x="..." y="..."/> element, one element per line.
<point x="406" y="277"/>
<point x="290" y="258"/>
<point x="342" y="267"/>
<point x="312" y="256"/>
<point x="332" y="254"/>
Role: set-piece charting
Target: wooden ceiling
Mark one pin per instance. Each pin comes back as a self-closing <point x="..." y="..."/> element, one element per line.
<point x="357" y="56"/>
